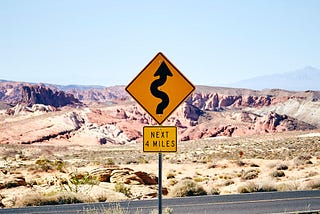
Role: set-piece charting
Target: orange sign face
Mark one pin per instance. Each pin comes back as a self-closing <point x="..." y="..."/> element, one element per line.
<point x="160" y="88"/>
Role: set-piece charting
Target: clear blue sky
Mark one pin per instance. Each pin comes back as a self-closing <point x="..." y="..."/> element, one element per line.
<point x="108" y="42"/>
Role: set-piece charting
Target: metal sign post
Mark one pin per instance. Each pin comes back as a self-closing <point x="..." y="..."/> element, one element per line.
<point x="160" y="139"/>
<point x="160" y="184"/>
<point x="155" y="89"/>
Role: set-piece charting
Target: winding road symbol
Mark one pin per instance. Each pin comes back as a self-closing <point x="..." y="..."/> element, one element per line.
<point x="160" y="88"/>
<point x="163" y="71"/>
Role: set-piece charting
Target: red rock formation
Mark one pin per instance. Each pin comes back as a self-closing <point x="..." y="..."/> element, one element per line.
<point x="228" y="112"/>
<point x="16" y="92"/>
<point x="274" y="122"/>
<point x="40" y="94"/>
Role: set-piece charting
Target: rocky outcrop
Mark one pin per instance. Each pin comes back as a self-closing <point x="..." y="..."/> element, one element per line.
<point x="14" y="93"/>
<point x="215" y="101"/>
<point x="114" y="174"/>
<point x="111" y="118"/>
<point x="56" y="128"/>
<point x="274" y="122"/>
<point x="40" y="94"/>
<point x="10" y="92"/>
<point x="19" y="109"/>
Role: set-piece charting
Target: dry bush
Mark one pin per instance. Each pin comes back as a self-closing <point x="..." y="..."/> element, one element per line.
<point x="110" y="162"/>
<point x="287" y="186"/>
<point x="213" y="191"/>
<point x="102" y="197"/>
<point x="167" y="210"/>
<point x="114" y="209"/>
<point x="264" y="186"/>
<point x="121" y="187"/>
<point x="172" y="181"/>
<point x="39" y="199"/>
<point x="278" y="173"/>
<point x="199" y="179"/>
<point x="302" y="159"/>
<point x="187" y="188"/>
<point x="227" y="176"/>
<point x="228" y="182"/>
<point x="254" y="165"/>
<point x="77" y="179"/>
<point x="46" y="165"/>
<point x="250" y="174"/>
<point x="314" y="184"/>
<point x="311" y="174"/>
<point x="142" y="160"/>
<point x="171" y="174"/>
<point x="282" y="167"/>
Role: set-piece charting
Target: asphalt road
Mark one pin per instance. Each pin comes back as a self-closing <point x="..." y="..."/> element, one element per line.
<point x="270" y="202"/>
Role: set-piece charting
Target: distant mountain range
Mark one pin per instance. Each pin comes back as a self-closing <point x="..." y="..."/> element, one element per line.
<point x="67" y="87"/>
<point x="78" y="87"/>
<point x="304" y="79"/>
<point x="307" y="78"/>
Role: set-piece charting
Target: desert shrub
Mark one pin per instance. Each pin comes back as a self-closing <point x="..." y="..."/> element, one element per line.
<point x="76" y="179"/>
<point x="171" y="174"/>
<point x="278" y="173"/>
<point x="228" y="182"/>
<point x="226" y="176"/>
<point x="311" y="174"/>
<point x="314" y="185"/>
<point x="256" y="187"/>
<point x="39" y="199"/>
<point x="121" y="187"/>
<point x="102" y="197"/>
<point x="142" y="160"/>
<point x="267" y="187"/>
<point x="302" y="159"/>
<point x="282" y="167"/>
<point x="287" y="186"/>
<point x="172" y="182"/>
<point x="200" y="179"/>
<point x="254" y="165"/>
<point x="167" y="210"/>
<point x="113" y="209"/>
<point x="44" y="164"/>
<point x="250" y="174"/>
<point x="247" y="187"/>
<point x="110" y="162"/>
<point x="60" y="165"/>
<point x="187" y="188"/>
<point x="213" y="191"/>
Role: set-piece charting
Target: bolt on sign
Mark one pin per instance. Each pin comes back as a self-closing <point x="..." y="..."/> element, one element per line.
<point x="160" y="139"/>
<point x="160" y="88"/>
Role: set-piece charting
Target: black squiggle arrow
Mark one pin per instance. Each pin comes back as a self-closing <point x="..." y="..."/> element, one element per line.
<point x="163" y="71"/>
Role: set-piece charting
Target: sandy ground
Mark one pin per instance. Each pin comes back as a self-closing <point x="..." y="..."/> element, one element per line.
<point x="271" y="162"/>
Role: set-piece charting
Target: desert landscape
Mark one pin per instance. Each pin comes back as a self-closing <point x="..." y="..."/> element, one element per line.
<point x="72" y="144"/>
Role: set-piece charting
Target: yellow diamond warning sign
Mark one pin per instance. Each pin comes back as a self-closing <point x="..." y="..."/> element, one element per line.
<point x="160" y="88"/>
<point x="160" y="139"/>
